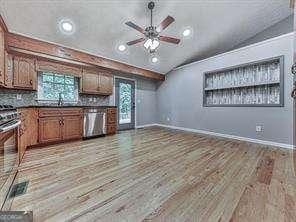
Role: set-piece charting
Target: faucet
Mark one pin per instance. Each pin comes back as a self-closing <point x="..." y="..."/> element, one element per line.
<point x="60" y="102"/>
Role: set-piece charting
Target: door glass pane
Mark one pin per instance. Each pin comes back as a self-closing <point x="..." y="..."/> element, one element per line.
<point x="125" y="107"/>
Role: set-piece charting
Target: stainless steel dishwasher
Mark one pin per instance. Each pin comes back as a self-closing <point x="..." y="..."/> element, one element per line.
<point x="94" y="123"/>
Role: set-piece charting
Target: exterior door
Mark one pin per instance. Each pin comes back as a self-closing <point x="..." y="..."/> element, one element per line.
<point x="125" y="101"/>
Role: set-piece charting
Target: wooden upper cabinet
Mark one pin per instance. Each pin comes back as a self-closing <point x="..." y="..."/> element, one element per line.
<point x="90" y="82"/>
<point x="24" y="73"/>
<point x="96" y="82"/>
<point x="72" y="127"/>
<point x="8" y="79"/>
<point x="105" y="84"/>
<point x="2" y="57"/>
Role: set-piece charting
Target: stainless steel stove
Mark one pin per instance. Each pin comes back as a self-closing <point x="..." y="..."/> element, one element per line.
<point x="9" y="123"/>
<point x="9" y="118"/>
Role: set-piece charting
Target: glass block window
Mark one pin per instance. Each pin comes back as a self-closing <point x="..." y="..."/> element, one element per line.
<point x="50" y="85"/>
<point x="125" y="105"/>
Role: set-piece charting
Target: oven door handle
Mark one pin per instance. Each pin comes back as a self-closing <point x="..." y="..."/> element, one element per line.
<point x="5" y="129"/>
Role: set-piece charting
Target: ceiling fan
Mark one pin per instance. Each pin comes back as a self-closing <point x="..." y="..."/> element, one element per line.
<point x="151" y="33"/>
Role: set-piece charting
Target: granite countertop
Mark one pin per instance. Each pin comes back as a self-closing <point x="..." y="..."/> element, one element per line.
<point x="64" y="106"/>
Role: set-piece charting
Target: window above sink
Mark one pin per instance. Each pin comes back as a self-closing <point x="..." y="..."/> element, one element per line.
<point x="51" y="85"/>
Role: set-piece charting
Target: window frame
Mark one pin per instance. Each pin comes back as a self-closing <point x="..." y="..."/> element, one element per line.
<point x="40" y="93"/>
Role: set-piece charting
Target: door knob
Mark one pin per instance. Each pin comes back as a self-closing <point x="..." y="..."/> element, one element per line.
<point x="293" y="69"/>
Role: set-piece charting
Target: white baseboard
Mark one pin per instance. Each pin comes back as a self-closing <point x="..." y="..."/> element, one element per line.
<point x="264" y="142"/>
<point x="146" y="125"/>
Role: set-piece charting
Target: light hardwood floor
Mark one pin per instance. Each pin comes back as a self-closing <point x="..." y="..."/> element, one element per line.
<point x="156" y="174"/>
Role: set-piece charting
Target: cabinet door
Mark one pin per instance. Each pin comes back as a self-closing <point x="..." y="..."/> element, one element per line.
<point x="90" y="82"/>
<point x="105" y="84"/>
<point x="50" y="129"/>
<point x="2" y="56"/>
<point x="72" y="127"/>
<point x="8" y="79"/>
<point x="25" y="75"/>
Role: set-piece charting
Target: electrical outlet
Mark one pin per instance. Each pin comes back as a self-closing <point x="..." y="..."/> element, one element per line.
<point x="18" y="96"/>
<point x="95" y="99"/>
<point x="259" y="128"/>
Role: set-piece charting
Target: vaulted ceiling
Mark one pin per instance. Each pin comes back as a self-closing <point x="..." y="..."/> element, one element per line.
<point x="218" y="25"/>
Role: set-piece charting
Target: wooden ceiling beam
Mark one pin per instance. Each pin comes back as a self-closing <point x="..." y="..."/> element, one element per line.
<point x="31" y="46"/>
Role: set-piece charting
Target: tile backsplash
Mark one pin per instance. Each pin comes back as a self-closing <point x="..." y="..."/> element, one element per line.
<point x="23" y="98"/>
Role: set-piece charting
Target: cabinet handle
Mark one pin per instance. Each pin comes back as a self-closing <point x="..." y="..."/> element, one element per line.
<point x="60" y="122"/>
<point x="31" y="82"/>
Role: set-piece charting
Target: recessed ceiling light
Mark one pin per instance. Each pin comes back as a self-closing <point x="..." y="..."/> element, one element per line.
<point x="186" y="32"/>
<point x="121" y="48"/>
<point x="66" y="26"/>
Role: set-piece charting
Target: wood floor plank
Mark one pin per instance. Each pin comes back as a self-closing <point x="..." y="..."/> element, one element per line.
<point x="156" y="174"/>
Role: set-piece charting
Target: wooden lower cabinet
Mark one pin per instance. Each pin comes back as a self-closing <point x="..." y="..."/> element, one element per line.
<point x="72" y="127"/>
<point x="53" y="125"/>
<point x="111" y="121"/>
<point x="50" y="129"/>
<point x="59" y="124"/>
<point x="28" y="130"/>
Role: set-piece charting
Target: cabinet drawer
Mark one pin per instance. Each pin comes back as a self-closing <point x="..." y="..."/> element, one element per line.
<point x="45" y="112"/>
<point x="111" y="111"/>
<point x="70" y="111"/>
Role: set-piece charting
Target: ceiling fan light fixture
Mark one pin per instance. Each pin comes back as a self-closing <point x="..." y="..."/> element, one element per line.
<point x="151" y="44"/>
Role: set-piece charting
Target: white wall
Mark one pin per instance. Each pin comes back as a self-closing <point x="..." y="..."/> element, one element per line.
<point x="179" y="98"/>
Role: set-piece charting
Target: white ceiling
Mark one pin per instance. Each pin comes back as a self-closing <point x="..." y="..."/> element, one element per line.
<point x="218" y="25"/>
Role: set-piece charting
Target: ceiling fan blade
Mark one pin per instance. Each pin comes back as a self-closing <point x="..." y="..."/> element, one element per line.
<point x="134" y="26"/>
<point x="165" y="23"/>
<point x="169" y="39"/>
<point x="135" y="41"/>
